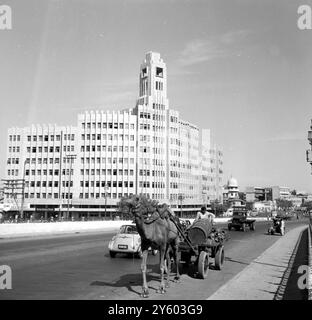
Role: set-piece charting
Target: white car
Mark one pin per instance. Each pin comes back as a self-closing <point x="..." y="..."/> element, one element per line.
<point x="127" y="240"/>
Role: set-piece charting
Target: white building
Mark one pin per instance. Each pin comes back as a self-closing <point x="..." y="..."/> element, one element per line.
<point x="149" y="149"/>
<point x="211" y="168"/>
<point x="231" y="190"/>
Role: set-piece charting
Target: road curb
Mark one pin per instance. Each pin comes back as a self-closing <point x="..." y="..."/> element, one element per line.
<point x="310" y="260"/>
<point x="259" y="280"/>
<point x="281" y="289"/>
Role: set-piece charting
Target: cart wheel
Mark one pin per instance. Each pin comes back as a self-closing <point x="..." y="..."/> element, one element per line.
<point x="219" y="258"/>
<point x="203" y="264"/>
<point x="252" y="227"/>
<point x="112" y="254"/>
<point x="243" y="227"/>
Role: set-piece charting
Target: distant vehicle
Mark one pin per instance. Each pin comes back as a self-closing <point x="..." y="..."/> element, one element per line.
<point x="228" y="212"/>
<point x="127" y="240"/>
<point x="240" y="220"/>
<point x="278" y="226"/>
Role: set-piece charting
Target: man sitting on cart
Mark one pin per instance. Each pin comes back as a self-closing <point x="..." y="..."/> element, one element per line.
<point x="204" y="214"/>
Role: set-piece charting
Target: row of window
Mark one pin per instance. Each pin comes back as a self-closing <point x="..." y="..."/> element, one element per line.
<point x="56" y="149"/>
<point x="107" y="160"/>
<point x="13" y="172"/>
<point x="107" y="184"/>
<point x="159" y="85"/>
<point x="47" y="195"/>
<point x="148" y="184"/>
<point x="114" y="160"/>
<point x="109" y="125"/>
<point x="14" y="149"/>
<point x="13" y="161"/>
<point x="103" y="195"/>
<point x="35" y="138"/>
<point x="107" y="137"/>
<point x="49" y="172"/>
<point x="105" y="148"/>
<point x="158" y="106"/>
<point x="109" y="172"/>
<point x="155" y="117"/>
<point x="14" y="137"/>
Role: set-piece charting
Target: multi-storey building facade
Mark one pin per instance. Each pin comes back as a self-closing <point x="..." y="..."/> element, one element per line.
<point x="85" y="170"/>
<point x="211" y="168"/>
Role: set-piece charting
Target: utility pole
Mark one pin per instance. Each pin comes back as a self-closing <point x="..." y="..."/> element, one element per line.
<point x="309" y="154"/>
<point x="70" y="158"/>
<point x="15" y="188"/>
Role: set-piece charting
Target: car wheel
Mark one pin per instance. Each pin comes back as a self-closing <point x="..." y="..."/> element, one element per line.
<point x="112" y="254"/>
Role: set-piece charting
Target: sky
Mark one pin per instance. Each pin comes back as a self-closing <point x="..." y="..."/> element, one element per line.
<point x="239" y="67"/>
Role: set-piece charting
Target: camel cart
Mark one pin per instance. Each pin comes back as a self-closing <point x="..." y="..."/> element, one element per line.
<point x="200" y="243"/>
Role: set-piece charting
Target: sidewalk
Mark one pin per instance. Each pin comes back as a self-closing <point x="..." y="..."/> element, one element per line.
<point x="262" y="278"/>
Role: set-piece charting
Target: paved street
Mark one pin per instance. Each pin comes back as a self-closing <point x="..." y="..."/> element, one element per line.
<point x="79" y="267"/>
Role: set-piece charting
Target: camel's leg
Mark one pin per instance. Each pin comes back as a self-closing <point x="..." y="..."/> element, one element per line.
<point x="168" y="259"/>
<point x="145" y="292"/>
<point x="175" y="249"/>
<point x="162" y="252"/>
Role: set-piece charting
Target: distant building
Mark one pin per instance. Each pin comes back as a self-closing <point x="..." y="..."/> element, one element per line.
<point x="258" y="194"/>
<point x="231" y="190"/>
<point x="211" y="168"/>
<point x="85" y="170"/>
<point x="280" y="192"/>
<point x="263" y="206"/>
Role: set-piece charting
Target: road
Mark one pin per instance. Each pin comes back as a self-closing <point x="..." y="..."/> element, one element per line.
<point x="79" y="267"/>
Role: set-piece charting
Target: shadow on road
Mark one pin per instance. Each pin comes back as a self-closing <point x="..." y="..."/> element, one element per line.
<point x="236" y="261"/>
<point x="130" y="281"/>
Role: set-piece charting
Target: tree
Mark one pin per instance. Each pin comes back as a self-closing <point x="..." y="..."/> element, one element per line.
<point x="249" y="205"/>
<point x="219" y="208"/>
<point x="307" y="205"/>
<point x="293" y="192"/>
<point x="283" y="203"/>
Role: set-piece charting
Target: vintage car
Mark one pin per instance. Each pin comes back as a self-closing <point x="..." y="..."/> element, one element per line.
<point x="240" y="220"/>
<point x="127" y="240"/>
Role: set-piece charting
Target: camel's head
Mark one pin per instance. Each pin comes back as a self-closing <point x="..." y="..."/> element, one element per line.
<point x="139" y="206"/>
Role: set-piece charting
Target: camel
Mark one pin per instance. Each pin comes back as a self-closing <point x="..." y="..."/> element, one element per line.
<point x="158" y="231"/>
